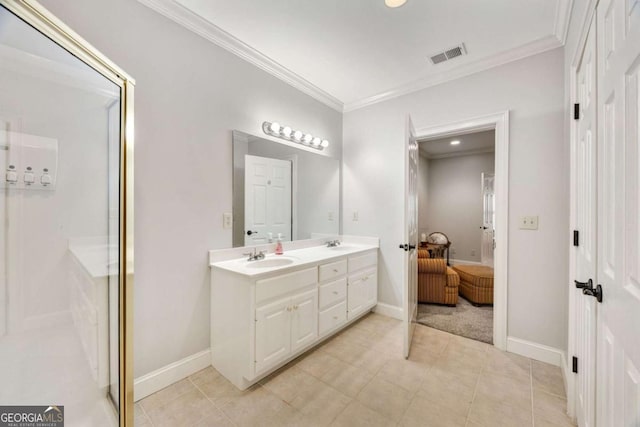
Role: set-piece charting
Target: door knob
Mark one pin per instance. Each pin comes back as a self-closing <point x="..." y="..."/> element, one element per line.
<point x="249" y="233"/>
<point x="407" y="247"/>
<point x="584" y="285"/>
<point x="596" y="293"/>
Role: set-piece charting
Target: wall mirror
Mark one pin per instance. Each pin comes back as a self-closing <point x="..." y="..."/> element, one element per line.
<point x="282" y="190"/>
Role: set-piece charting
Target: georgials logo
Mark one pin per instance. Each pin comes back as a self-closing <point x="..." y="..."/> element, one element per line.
<point x="32" y="416"/>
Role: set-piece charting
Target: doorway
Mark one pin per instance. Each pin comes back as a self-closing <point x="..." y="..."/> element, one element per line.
<point x="456" y="221"/>
<point x="499" y="125"/>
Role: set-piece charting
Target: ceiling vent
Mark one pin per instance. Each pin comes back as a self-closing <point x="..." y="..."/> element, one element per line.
<point x="452" y="52"/>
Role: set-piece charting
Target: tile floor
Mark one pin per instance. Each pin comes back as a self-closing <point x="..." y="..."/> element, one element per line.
<point x="359" y="378"/>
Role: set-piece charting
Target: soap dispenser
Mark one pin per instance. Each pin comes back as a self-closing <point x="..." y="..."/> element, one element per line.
<point x="279" y="250"/>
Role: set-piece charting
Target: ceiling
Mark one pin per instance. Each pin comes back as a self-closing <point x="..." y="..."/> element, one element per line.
<point x="471" y="143"/>
<point x="351" y="53"/>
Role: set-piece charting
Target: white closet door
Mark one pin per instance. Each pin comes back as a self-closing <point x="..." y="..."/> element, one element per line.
<point x="586" y="182"/>
<point x="618" y="363"/>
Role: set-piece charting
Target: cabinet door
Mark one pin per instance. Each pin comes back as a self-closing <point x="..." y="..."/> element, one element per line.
<point x="355" y="296"/>
<point x="362" y="293"/>
<point x="370" y="288"/>
<point x="304" y="319"/>
<point x="273" y="328"/>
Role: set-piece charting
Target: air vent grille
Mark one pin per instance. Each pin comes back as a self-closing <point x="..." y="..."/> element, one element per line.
<point x="448" y="54"/>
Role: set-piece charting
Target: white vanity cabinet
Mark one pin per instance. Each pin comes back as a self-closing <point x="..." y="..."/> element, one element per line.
<point x="260" y="321"/>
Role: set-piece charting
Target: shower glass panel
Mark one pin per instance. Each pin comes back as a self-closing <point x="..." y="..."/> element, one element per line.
<point x="59" y="229"/>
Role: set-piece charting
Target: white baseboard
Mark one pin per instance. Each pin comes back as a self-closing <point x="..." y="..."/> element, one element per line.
<point x="167" y="375"/>
<point x="388" y="310"/>
<point x="535" y="351"/>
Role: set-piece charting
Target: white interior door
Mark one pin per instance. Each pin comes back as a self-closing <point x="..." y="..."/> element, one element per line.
<point x="267" y="199"/>
<point x="585" y="182"/>
<point x="618" y="241"/>
<point x="488" y="218"/>
<point x="411" y="236"/>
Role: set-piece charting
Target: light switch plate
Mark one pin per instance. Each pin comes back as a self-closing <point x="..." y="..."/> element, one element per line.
<point x="529" y="222"/>
<point x="227" y="220"/>
<point x="355" y="216"/>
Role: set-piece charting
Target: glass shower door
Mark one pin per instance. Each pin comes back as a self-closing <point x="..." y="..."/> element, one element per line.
<point x="60" y="227"/>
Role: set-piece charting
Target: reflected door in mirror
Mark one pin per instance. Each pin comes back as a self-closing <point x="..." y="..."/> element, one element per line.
<point x="267" y="199"/>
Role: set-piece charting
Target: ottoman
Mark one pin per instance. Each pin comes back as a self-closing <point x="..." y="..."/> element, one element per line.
<point x="476" y="283"/>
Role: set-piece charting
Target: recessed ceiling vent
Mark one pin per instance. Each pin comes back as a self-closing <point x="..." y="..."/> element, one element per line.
<point x="452" y="52"/>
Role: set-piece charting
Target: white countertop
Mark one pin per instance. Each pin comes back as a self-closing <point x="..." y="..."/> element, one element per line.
<point x="298" y="258"/>
<point x="97" y="257"/>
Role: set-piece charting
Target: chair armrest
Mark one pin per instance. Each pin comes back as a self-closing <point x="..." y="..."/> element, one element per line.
<point x="423" y="253"/>
<point x="432" y="265"/>
<point x="453" y="280"/>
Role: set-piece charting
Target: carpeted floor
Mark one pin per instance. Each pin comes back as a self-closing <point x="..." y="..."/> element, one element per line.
<point x="464" y="319"/>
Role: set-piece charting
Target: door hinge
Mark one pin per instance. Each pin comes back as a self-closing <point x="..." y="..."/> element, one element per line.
<point x="575" y="365"/>
<point x="576" y="238"/>
<point x="576" y="111"/>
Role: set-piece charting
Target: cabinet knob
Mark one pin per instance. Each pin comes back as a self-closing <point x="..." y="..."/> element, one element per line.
<point x="295" y="307"/>
<point x="335" y="270"/>
<point x="335" y="317"/>
<point x="335" y="292"/>
<point x="365" y="278"/>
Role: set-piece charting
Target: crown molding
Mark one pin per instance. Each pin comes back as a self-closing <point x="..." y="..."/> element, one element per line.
<point x="563" y="17"/>
<point x="538" y="46"/>
<point x="197" y="24"/>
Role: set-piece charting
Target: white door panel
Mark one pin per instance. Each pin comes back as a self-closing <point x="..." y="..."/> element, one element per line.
<point x="488" y="218"/>
<point x="411" y="236"/>
<point x="267" y="199"/>
<point x="618" y="241"/>
<point x="586" y="182"/>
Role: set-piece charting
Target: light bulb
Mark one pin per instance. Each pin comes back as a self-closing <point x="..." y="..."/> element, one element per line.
<point x="308" y="138"/>
<point x="275" y="127"/>
<point x="394" y="3"/>
<point x="297" y="135"/>
<point x="316" y="141"/>
<point x="286" y="131"/>
<point x="456" y="142"/>
<point x="324" y="143"/>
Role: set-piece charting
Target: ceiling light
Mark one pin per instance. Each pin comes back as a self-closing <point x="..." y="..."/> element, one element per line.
<point x="456" y="142"/>
<point x="285" y="132"/>
<point x="275" y="127"/>
<point x="394" y="3"/>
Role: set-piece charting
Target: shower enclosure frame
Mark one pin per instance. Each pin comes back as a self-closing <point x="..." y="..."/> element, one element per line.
<point x="34" y="14"/>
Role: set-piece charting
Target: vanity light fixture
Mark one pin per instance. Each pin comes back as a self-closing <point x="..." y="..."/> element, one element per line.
<point x="285" y="132"/>
<point x="394" y="3"/>
<point x="455" y="142"/>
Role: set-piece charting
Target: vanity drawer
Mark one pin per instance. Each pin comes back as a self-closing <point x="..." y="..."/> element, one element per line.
<point x="362" y="261"/>
<point x="286" y="283"/>
<point x="332" y="270"/>
<point x="333" y="292"/>
<point x="332" y="317"/>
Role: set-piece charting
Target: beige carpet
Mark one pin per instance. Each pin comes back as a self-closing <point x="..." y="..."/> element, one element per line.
<point x="465" y="319"/>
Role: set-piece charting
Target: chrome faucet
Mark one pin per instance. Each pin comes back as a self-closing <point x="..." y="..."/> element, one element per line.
<point x="333" y="243"/>
<point x="254" y="256"/>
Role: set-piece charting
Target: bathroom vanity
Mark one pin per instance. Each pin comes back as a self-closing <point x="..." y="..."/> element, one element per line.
<point x="265" y="313"/>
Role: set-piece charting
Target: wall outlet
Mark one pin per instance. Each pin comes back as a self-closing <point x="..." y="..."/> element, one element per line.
<point x="473" y="252"/>
<point x="227" y="220"/>
<point x="330" y="216"/>
<point x="355" y="216"/>
<point x="529" y="222"/>
<point x="453" y="250"/>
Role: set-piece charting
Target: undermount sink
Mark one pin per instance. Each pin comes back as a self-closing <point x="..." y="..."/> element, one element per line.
<point x="340" y="248"/>
<point x="270" y="262"/>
